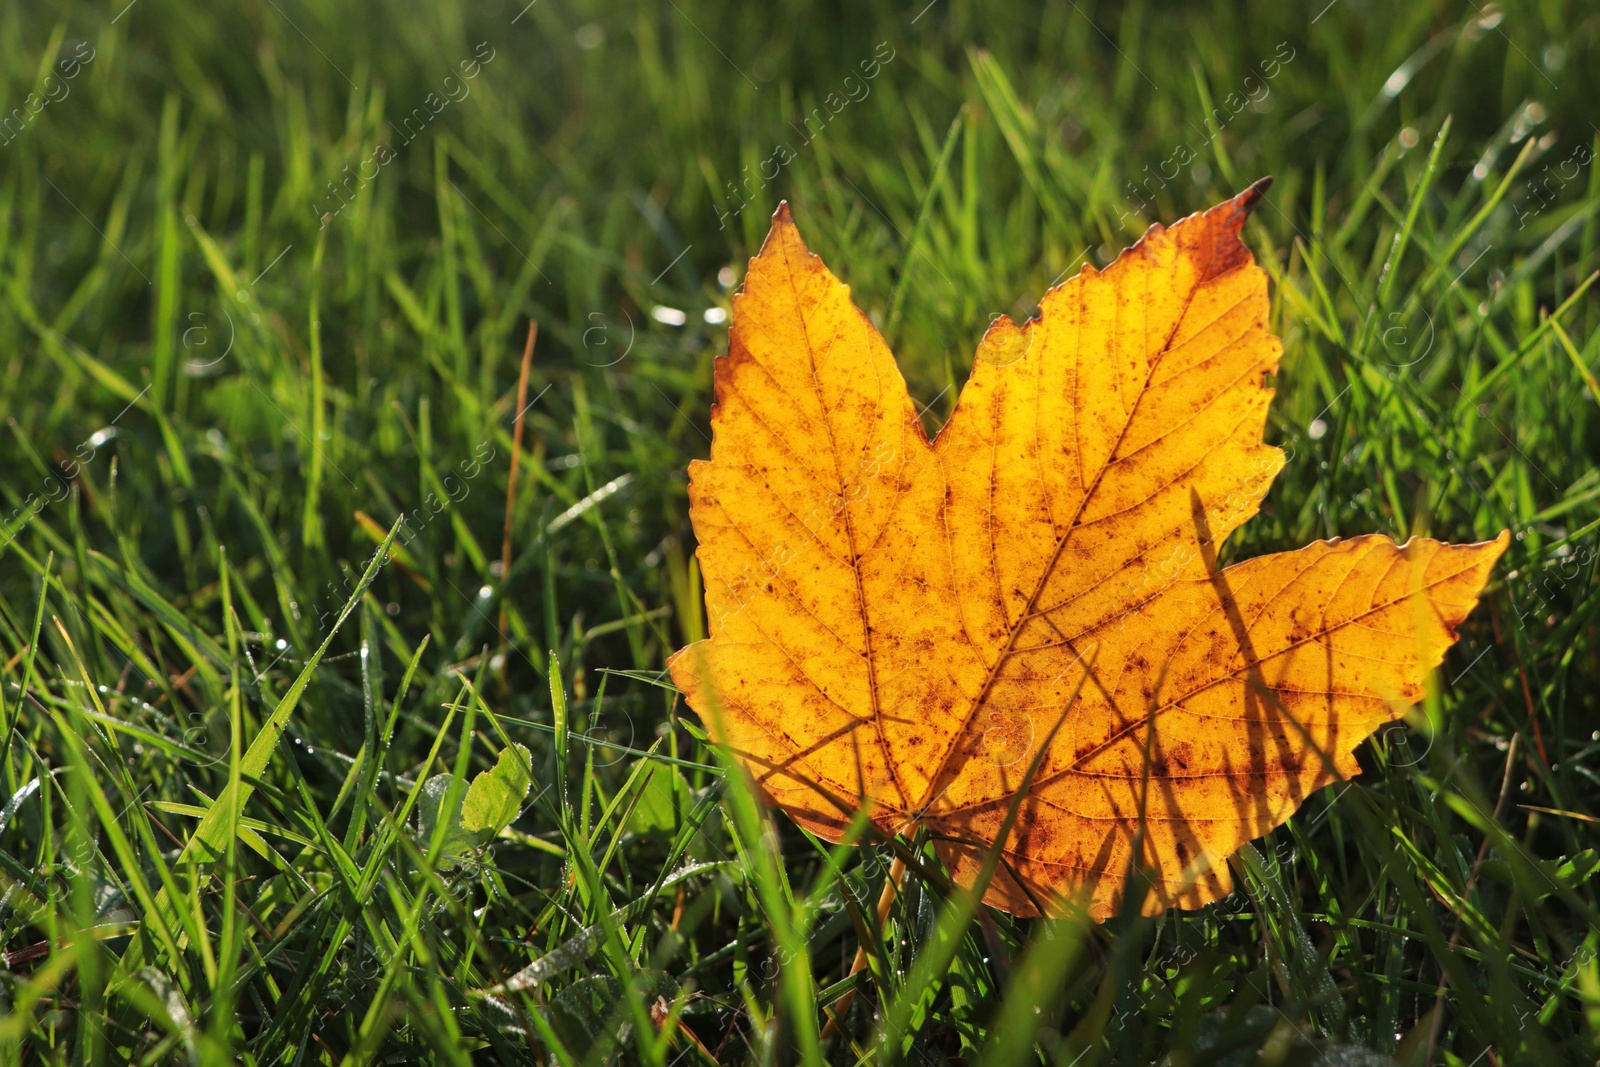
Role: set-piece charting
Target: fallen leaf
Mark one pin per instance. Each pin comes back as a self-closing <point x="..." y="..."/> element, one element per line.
<point x="906" y="623"/>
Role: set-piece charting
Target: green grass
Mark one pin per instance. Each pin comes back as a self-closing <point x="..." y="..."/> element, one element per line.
<point x="217" y="409"/>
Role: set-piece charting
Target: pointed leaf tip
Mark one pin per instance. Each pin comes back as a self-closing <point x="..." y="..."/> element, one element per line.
<point x="1246" y="201"/>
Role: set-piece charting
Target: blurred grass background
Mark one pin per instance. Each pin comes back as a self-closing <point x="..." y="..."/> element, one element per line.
<point x="267" y="270"/>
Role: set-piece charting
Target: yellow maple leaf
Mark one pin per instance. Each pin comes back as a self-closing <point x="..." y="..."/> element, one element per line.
<point x="917" y="624"/>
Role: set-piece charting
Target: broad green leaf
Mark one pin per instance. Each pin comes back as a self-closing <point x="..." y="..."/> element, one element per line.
<point x="496" y="795"/>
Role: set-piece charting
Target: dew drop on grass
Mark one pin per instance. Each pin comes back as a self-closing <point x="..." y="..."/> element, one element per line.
<point x="668" y="316"/>
<point x="1317" y="430"/>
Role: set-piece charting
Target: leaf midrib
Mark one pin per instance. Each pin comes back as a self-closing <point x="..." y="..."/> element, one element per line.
<point x="1015" y="630"/>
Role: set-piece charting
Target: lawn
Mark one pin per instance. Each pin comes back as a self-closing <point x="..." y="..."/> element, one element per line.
<point x="297" y="546"/>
